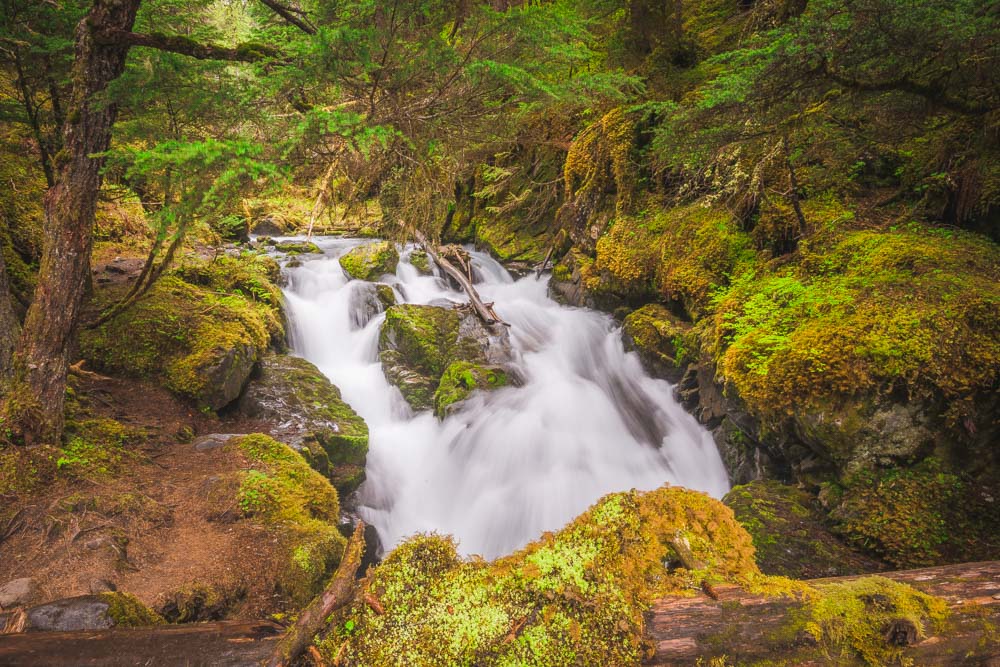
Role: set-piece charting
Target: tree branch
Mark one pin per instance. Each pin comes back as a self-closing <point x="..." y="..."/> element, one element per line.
<point x="288" y="14"/>
<point x="189" y="47"/>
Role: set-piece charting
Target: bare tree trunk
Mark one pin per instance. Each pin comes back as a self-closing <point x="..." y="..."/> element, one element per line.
<point x="69" y="217"/>
<point x="793" y="186"/>
<point x="10" y="328"/>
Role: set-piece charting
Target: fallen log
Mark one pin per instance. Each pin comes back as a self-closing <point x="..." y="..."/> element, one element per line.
<point x="748" y="628"/>
<point x="484" y="311"/>
<point x="223" y="644"/>
<point x="337" y="594"/>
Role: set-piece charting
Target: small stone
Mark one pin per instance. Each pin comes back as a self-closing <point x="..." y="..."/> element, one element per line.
<point x="17" y="592"/>
<point x="207" y="443"/>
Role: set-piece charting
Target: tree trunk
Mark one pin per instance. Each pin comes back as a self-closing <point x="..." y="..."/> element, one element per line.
<point x="69" y="217"/>
<point x="749" y="628"/>
<point x="10" y="328"/>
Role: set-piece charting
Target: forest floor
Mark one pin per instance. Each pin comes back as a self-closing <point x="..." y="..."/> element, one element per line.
<point x="152" y="527"/>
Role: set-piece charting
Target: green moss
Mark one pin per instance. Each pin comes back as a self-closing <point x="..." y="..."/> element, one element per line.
<point x="460" y="379"/>
<point x="96" y="448"/>
<point x="573" y="597"/>
<point x="370" y="261"/>
<point x="128" y="612"/>
<point x="283" y="492"/>
<point x="297" y="247"/>
<point x="421" y="262"/>
<point x="662" y="341"/>
<point x="862" y="312"/>
<point x="918" y="516"/>
<point x="505" y="238"/>
<point x="849" y="619"/>
<point x="24" y="469"/>
<point x="789" y="536"/>
<point x="192" y="326"/>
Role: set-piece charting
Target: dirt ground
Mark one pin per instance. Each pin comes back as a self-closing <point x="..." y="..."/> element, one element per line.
<point x="157" y="528"/>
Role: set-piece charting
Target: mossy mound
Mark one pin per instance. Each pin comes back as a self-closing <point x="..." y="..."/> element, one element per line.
<point x="297" y="248"/>
<point x="918" y="516"/>
<point x="369" y="262"/>
<point x="421" y="262"/>
<point x="575" y="597"/>
<point x="311" y="416"/>
<point x="283" y="492"/>
<point x="788" y="533"/>
<point x="200" y="330"/>
<point x="850" y="619"/>
<point x="127" y="611"/>
<point x="96" y="448"/>
<point x="460" y="379"/>
<point x="506" y="239"/>
<point x="418" y="343"/>
<point x="664" y="343"/>
<point x="24" y="469"/>
<point x="863" y="313"/>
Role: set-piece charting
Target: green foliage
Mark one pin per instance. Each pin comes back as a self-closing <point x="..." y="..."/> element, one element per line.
<point x="97" y="448"/>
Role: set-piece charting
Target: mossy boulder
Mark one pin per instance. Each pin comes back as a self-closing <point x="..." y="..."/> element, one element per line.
<point x="421" y="262"/>
<point x="418" y="343"/>
<point x="370" y="261"/>
<point x="664" y="343"/>
<point x="575" y="597"/>
<point x="789" y="536"/>
<point x="299" y="505"/>
<point x="461" y="379"/>
<point x="309" y="415"/>
<point x="918" y="515"/>
<point x="200" y="330"/>
<point x="92" y="612"/>
<point x="298" y="248"/>
<point x="367" y="301"/>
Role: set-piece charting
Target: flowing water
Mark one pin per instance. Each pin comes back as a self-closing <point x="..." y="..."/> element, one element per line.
<point x="512" y="463"/>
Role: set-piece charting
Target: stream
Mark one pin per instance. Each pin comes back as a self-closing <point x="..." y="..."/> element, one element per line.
<point x="512" y="463"/>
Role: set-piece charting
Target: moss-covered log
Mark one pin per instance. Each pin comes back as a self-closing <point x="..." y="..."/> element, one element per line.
<point x="740" y="628"/>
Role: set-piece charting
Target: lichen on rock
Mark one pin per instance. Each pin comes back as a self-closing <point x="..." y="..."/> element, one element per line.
<point x="370" y="261"/>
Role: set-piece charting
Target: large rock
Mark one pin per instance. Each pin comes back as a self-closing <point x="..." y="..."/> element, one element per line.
<point x="661" y="340"/>
<point x="17" y="592"/>
<point x="417" y="344"/>
<point x="369" y="262"/>
<point x="91" y="612"/>
<point x="309" y="415"/>
<point x="461" y="379"/>
<point x="368" y="300"/>
<point x="789" y="535"/>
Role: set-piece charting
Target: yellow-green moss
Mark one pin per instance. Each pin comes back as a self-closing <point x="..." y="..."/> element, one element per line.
<point x="661" y="340"/>
<point x="282" y="491"/>
<point x="573" y="597"/>
<point x="97" y="448"/>
<point x="861" y="312"/>
<point x="23" y="469"/>
<point x="127" y="611"/>
<point x="849" y="619"/>
<point x="601" y="159"/>
<point x="369" y="261"/>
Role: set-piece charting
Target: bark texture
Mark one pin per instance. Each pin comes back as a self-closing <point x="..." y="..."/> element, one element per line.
<point x="69" y="218"/>
<point x="10" y="328"/>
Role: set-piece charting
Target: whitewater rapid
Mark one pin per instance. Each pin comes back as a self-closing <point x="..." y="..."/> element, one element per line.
<point x="512" y="463"/>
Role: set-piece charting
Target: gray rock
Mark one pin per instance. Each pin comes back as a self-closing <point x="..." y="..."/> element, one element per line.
<point x="17" y="592"/>
<point x="228" y="375"/>
<point x="80" y="613"/>
<point x="207" y="443"/>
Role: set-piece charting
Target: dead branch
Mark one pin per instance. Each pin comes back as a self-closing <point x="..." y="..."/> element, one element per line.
<point x="337" y="594"/>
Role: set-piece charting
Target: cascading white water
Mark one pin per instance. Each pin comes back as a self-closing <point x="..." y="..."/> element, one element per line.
<point x="512" y="463"/>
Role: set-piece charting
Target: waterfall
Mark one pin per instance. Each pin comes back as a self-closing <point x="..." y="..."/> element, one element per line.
<point x="512" y="463"/>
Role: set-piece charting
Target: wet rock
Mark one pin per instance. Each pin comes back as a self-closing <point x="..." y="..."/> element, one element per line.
<point x="268" y="227"/>
<point x="418" y="343"/>
<point x="17" y="592"/>
<point x="368" y="300"/>
<point x="461" y="379"/>
<point x="298" y="248"/>
<point x="789" y="535"/>
<point x="308" y="414"/>
<point x="661" y="340"/>
<point x="421" y="262"/>
<point x="368" y="262"/>
<point x="226" y="376"/>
